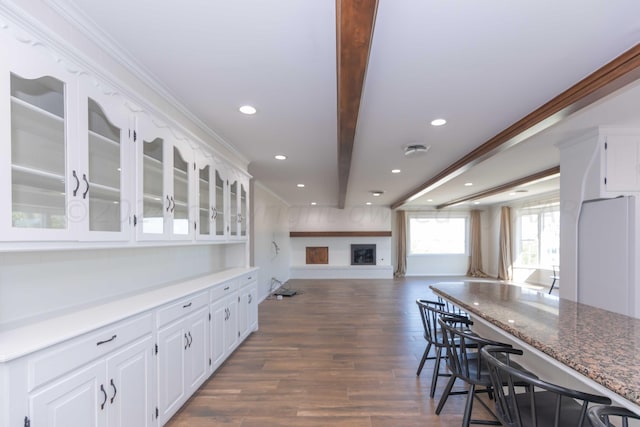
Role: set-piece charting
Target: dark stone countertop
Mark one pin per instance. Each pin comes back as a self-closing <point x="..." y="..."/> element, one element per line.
<point x="601" y="345"/>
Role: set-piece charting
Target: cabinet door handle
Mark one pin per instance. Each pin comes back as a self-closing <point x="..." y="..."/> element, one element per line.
<point x="104" y="393"/>
<point x="249" y="298"/>
<point x="190" y="338"/>
<point x="75" y="190"/>
<point x="115" y="390"/>
<point x="186" y="305"/>
<point x="168" y="203"/>
<point x="173" y="204"/>
<point x="186" y="341"/>
<point x="106" y="341"/>
<point x="214" y="213"/>
<point x="84" y="178"/>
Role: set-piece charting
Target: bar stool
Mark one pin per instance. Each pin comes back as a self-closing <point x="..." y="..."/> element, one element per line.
<point x="430" y="312"/>
<point x="543" y="404"/>
<point x="604" y="415"/>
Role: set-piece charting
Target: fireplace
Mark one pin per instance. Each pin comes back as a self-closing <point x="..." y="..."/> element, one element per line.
<point x="363" y="254"/>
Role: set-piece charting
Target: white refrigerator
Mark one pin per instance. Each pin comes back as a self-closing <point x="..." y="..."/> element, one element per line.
<point x="606" y="254"/>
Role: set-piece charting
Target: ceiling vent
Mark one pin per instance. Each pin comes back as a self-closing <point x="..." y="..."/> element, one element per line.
<point x="414" y="149"/>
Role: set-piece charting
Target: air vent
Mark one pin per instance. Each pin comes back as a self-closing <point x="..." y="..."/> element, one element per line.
<point x="413" y="149"/>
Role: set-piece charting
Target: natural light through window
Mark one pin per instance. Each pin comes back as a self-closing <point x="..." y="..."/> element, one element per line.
<point x="437" y="235"/>
<point x="539" y="236"/>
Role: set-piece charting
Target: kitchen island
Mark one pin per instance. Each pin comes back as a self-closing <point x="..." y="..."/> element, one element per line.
<point x="598" y="348"/>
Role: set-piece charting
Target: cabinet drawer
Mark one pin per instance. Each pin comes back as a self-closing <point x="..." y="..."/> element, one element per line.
<point x="223" y="290"/>
<point x="51" y="363"/>
<point x="182" y="307"/>
<point x="248" y="278"/>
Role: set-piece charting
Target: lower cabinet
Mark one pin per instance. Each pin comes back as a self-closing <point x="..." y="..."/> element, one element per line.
<point x="183" y="360"/>
<point x="115" y="390"/>
<point x="136" y="372"/>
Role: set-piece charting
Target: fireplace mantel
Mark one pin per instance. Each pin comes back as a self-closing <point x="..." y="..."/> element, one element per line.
<point x="340" y="234"/>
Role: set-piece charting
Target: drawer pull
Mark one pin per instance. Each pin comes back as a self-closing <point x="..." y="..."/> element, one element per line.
<point x="104" y="393"/>
<point x="249" y="278"/>
<point x="227" y="288"/>
<point x="106" y="341"/>
<point x="115" y="390"/>
<point x="186" y="305"/>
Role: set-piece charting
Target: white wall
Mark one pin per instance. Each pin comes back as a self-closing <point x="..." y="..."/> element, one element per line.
<point x="352" y="218"/>
<point x="34" y="285"/>
<point x="270" y="225"/>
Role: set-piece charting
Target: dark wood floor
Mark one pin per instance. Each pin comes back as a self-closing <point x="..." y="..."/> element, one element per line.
<point x="340" y="353"/>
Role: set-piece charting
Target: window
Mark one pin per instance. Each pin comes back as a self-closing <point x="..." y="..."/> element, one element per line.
<point x="437" y="235"/>
<point x="539" y="236"/>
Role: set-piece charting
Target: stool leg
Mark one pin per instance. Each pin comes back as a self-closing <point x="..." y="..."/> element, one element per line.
<point x="424" y="358"/>
<point x="436" y="371"/>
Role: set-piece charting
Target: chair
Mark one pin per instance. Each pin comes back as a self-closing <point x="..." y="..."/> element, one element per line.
<point x="466" y="363"/>
<point x="555" y="276"/>
<point x="543" y="404"/>
<point x="604" y="415"/>
<point x="430" y="311"/>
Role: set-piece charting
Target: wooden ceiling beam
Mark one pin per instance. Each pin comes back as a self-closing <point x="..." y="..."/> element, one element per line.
<point x="504" y="187"/>
<point x="354" y="32"/>
<point x="616" y="74"/>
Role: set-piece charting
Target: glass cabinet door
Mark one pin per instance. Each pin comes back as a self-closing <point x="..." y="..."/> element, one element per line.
<point x="38" y="154"/>
<point x="243" y="210"/>
<point x="153" y="203"/>
<point x="104" y="170"/>
<point x="219" y="209"/>
<point x="180" y="198"/>
<point x="205" y="208"/>
<point x="233" y="215"/>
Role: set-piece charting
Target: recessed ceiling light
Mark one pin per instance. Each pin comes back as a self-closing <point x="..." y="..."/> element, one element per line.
<point x="377" y="193"/>
<point x="368" y="203"/>
<point x="280" y="157"/>
<point x="313" y="203"/>
<point x="395" y="171"/>
<point x="300" y="185"/>
<point x="468" y="184"/>
<point x="476" y="203"/>
<point x="438" y="122"/>
<point x="247" y="109"/>
<point x="429" y="200"/>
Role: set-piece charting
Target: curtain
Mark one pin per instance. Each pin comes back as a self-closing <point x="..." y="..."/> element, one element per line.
<point x="505" y="259"/>
<point x="401" y="264"/>
<point x="475" y="258"/>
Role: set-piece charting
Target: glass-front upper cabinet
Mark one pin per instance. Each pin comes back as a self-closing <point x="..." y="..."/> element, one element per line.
<point x="238" y="205"/>
<point x="211" y="201"/>
<point x="104" y="160"/>
<point x="64" y="153"/>
<point x="163" y="190"/>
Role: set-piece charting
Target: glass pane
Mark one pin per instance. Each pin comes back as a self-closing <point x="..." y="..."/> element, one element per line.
<point x="104" y="171"/>
<point x="243" y="211"/>
<point x="233" y="215"/>
<point x="205" y="205"/>
<point x="152" y="187"/>
<point x="437" y="235"/>
<point x="219" y="215"/>
<point x="528" y="245"/>
<point x="38" y="153"/>
<point x="550" y="239"/>
<point x="180" y="194"/>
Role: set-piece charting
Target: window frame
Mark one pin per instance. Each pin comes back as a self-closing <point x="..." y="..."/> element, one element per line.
<point x="436" y="216"/>
<point x="538" y="210"/>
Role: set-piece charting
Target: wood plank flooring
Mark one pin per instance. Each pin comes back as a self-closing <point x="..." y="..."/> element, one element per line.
<point x="340" y="353"/>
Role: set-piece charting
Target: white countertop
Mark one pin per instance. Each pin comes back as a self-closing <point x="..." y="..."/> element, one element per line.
<point x="20" y="341"/>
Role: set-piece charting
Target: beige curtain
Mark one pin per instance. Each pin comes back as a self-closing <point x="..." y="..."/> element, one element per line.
<point x="475" y="258"/>
<point x="401" y="263"/>
<point x="505" y="260"/>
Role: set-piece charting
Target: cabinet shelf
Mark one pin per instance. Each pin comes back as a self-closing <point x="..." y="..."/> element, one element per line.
<point x="34" y="112"/>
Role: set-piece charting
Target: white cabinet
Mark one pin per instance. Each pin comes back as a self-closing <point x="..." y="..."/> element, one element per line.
<point x="164" y="170"/>
<point x="224" y="322"/>
<point x="238" y="205"/>
<point x="621" y="160"/>
<point x="183" y="351"/>
<point x="114" y="389"/>
<point x="66" y="158"/>
<point x="212" y="196"/>
<point x="248" y="306"/>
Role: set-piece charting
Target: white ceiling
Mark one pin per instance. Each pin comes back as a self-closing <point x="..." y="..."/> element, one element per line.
<point x="482" y="65"/>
